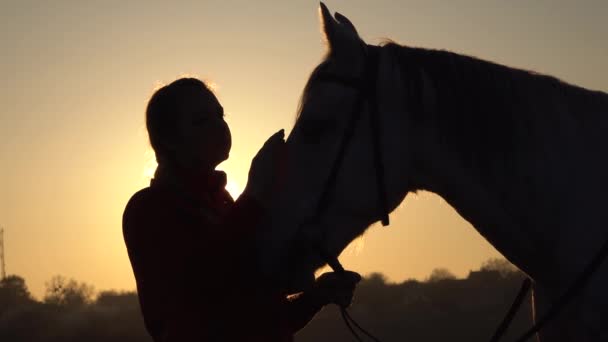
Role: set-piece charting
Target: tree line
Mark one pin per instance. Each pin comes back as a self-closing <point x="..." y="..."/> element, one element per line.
<point x="439" y="308"/>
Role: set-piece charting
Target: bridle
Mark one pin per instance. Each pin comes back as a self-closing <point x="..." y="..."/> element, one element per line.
<point x="366" y="90"/>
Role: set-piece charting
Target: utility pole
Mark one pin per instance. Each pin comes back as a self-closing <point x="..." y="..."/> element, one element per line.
<point x="2" y="269"/>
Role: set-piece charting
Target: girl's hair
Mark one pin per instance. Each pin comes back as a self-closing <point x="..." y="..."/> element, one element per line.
<point x="162" y="113"/>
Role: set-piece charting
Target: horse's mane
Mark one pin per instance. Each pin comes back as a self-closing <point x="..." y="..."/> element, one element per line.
<point x="489" y="113"/>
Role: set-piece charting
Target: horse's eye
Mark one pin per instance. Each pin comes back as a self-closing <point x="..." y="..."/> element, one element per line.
<point x="313" y="130"/>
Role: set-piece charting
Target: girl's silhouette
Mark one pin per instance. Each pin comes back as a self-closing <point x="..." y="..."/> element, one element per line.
<point x="191" y="245"/>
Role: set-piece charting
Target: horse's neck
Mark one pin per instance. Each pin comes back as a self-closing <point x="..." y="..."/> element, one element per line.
<point x="437" y="170"/>
<point x="524" y="213"/>
<point x="517" y="202"/>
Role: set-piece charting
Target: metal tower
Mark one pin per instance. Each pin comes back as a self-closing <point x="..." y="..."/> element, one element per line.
<point x="2" y="269"/>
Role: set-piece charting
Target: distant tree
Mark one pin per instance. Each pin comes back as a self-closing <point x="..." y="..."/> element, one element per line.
<point x="500" y="265"/>
<point x="64" y="292"/>
<point x="13" y="292"/>
<point x="119" y="300"/>
<point x="376" y="278"/>
<point x="439" y="274"/>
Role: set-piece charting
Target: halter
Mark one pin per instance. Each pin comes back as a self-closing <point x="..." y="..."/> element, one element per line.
<point x="366" y="90"/>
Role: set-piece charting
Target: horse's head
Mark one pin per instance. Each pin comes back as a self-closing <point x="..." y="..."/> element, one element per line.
<point x="318" y="213"/>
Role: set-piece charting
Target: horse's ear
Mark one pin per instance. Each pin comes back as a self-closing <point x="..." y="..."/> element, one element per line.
<point x="340" y="34"/>
<point x="330" y="25"/>
<point x="344" y="20"/>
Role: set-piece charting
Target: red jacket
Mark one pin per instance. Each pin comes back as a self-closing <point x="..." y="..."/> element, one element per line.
<point x="192" y="256"/>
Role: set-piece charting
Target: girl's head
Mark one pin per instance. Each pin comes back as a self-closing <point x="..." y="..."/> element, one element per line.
<point x="186" y="125"/>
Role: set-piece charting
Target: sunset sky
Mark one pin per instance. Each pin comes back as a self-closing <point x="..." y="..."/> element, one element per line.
<point x="76" y="76"/>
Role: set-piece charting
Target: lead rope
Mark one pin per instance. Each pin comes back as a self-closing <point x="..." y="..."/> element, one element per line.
<point x="346" y="317"/>
<point x="569" y="294"/>
<point x="558" y="305"/>
<point x="335" y="265"/>
<point x="519" y="299"/>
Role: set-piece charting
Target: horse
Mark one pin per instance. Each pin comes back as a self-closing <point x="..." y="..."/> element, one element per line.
<point x="518" y="154"/>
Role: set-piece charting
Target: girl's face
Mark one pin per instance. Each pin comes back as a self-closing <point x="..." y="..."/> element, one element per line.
<point x="204" y="138"/>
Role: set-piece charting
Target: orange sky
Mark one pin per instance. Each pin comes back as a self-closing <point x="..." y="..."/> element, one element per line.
<point x="76" y="77"/>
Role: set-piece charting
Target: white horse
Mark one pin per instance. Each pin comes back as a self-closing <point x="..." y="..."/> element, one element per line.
<point x="521" y="156"/>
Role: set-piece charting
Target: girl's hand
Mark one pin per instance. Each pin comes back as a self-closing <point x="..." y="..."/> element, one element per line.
<point x="336" y="288"/>
<point x="266" y="169"/>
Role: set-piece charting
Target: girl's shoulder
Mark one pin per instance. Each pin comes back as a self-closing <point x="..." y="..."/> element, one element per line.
<point x="147" y="198"/>
<point x="148" y="207"/>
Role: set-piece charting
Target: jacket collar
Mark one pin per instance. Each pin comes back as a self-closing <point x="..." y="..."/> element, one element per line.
<point x="193" y="183"/>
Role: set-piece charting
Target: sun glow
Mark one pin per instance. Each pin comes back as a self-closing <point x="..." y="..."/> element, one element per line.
<point x="150" y="165"/>
<point x="233" y="188"/>
<point x="356" y="246"/>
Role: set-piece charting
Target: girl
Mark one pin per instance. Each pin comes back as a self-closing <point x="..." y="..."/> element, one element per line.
<point x="190" y="243"/>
